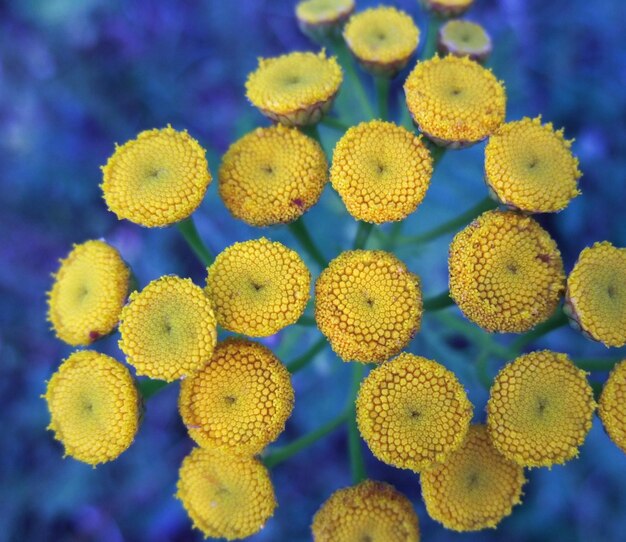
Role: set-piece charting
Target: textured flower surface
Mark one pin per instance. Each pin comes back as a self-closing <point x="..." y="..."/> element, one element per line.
<point x="540" y="409"/>
<point x="506" y="272"/>
<point x="412" y="412"/>
<point x="157" y="179"/>
<point x="168" y="330"/>
<point x="368" y="305"/>
<point x="381" y="171"/>
<point x="475" y="487"/>
<point x="94" y="407"/>
<point x="258" y="287"/>
<point x="88" y="293"/>
<point x="448" y="8"/>
<point x="320" y="12"/>
<point x="371" y="511"/>
<point x="612" y="405"/>
<point x="464" y="38"/>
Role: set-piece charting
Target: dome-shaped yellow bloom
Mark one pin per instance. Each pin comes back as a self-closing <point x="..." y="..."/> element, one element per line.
<point x="318" y="18"/>
<point x="88" y="293"/>
<point x="448" y="8"/>
<point x="258" y="287"/>
<point x="612" y="405"/>
<point x="371" y="511"/>
<point x="272" y="175"/>
<point x="94" y="407"/>
<point x="596" y="293"/>
<point x="412" y="412"/>
<point x="463" y="38"/>
<point x="368" y="305"/>
<point x="506" y="272"/>
<point x="540" y="409"/>
<point x="240" y="400"/>
<point x="225" y="495"/>
<point x="168" y="330"/>
<point x="381" y="171"/>
<point x="157" y="179"/>
<point x="382" y="39"/>
<point x="455" y="101"/>
<point x="294" y="89"/>
<point x="475" y="487"/>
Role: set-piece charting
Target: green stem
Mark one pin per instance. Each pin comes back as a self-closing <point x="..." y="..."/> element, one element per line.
<point x="355" y="452"/>
<point x="482" y="370"/>
<point x="596" y="365"/>
<point x="188" y="230"/>
<point x="307" y="357"/>
<point x="335" y="123"/>
<point x="313" y="132"/>
<point x="307" y="321"/>
<point x="148" y="387"/>
<point x="432" y="30"/>
<point x="438" y="302"/>
<point x="300" y="232"/>
<point x="557" y="320"/>
<point x="362" y="235"/>
<point x="437" y="153"/>
<point x="382" y="96"/>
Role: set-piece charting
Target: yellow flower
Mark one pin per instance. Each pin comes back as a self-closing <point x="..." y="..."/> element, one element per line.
<point x="506" y="272"/>
<point x="240" y="400"/>
<point x="540" y="409"/>
<point x="168" y="330"/>
<point x="412" y="412"/>
<point x="475" y="488"/>
<point x="294" y="89"/>
<point x="368" y="305"/>
<point x="381" y="171"/>
<point x="455" y="101"/>
<point x="612" y="405"/>
<point x="530" y="166"/>
<point x="94" y="407"/>
<point x="371" y="511"/>
<point x="448" y="8"/>
<point x="320" y="18"/>
<point x="382" y="39"/>
<point x="225" y="495"/>
<point x="596" y="293"/>
<point x="157" y="179"/>
<point x="463" y="38"/>
<point x="88" y="293"/>
<point x="272" y="176"/>
<point x="258" y="287"/>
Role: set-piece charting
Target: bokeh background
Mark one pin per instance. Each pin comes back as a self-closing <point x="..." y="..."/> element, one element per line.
<point x="76" y="77"/>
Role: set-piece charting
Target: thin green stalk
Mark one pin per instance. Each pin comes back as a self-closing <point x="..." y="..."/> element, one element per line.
<point x="148" y="387"/>
<point x="313" y="132"/>
<point x="482" y="369"/>
<point x="382" y="96"/>
<point x="437" y="153"/>
<point x="305" y="320"/>
<point x="430" y="43"/>
<point x="306" y="358"/>
<point x="355" y="451"/>
<point x="438" y="302"/>
<point x="188" y="230"/>
<point x="596" y="365"/>
<point x="300" y="232"/>
<point x="334" y="122"/>
<point x="362" y="235"/>
<point x="557" y="320"/>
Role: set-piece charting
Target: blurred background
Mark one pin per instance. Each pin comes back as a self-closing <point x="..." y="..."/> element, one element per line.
<point x="76" y="77"/>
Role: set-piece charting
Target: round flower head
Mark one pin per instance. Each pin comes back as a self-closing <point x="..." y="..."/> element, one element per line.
<point x="258" y="287"/>
<point x="88" y="293"/>
<point x="412" y="412"/>
<point x="323" y="18"/>
<point x="475" y="487"/>
<point x="381" y="171"/>
<point x="272" y="175"/>
<point x="94" y="407"/>
<point x="368" y="305"/>
<point x="448" y="8"/>
<point x="506" y="272"/>
<point x="612" y="405"/>
<point x="240" y="400"/>
<point x="455" y="101"/>
<point x="168" y="330"/>
<point x="463" y="38"/>
<point x="529" y="166"/>
<point x="596" y="294"/>
<point x="157" y="179"/>
<point x="382" y="39"/>
<point x="540" y="409"/>
<point x="225" y="495"/>
<point x="371" y="511"/>
<point x="294" y="89"/>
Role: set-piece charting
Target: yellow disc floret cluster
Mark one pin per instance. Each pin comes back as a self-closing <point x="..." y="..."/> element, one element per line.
<point x="272" y="176"/>
<point x="506" y="272"/>
<point x="368" y="305"/>
<point x="463" y="38"/>
<point x="94" y="407"/>
<point x="157" y="179"/>
<point x="381" y="171"/>
<point x="318" y="18"/>
<point x="448" y="8"/>
<point x="88" y="293"/>
<point x="612" y="405"/>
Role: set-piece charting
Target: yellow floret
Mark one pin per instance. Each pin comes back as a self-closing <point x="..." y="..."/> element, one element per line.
<point x="448" y="8"/>
<point x="463" y="38"/>
<point x="612" y="405"/>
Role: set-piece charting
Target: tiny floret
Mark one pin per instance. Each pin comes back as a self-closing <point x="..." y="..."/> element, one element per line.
<point x="612" y="405"/>
<point x="464" y="38"/>
<point x="323" y="18"/>
<point x="448" y="8"/>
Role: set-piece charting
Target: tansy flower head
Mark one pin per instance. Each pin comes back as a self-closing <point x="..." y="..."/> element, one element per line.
<point x="540" y="409"/>
<point x="530" y="166"/>
<point x="157" y="179"/>
<point x="448" y="8"/>
<point x="455" y="101"/>
<point x="612" y="405"/>
<point x="371" y="511"/>
<point x="463" y="38"/>
<point x="168" y="330"/>
<point x="475" y="487"/>
<point x="225" y="495"/>
<point x="88" y="293"/>
<point x="272" y="175"/>
<point x="240" y="400"/>
<point x="368" y="305"/>
<point x="381" y="171"/>
<point x="258" y="287"/>
<point x="412" y="412"/>
<point x="322" y="18"/>
<point x="382" y="39"/>
<point x="294" y="89"/>
<point x="94" y="407"/>
<point x="596" y="293"/>
<point x="506" y="272"/>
